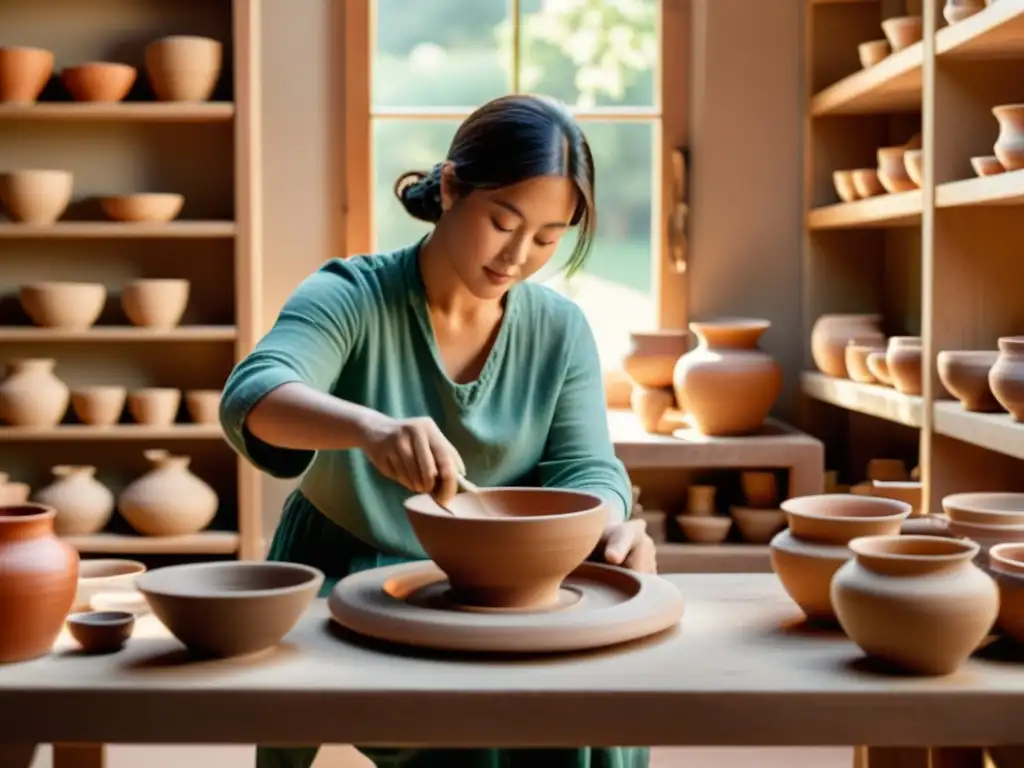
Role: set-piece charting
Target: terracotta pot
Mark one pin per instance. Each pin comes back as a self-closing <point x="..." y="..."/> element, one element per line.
<point x="83" y="504"/>
<point x="903" y="360"/>
<point x="700" y="500"/>
<point x="155" y="303"/>
<point x="761" y="489"/>
<point x="99" y="81"/>
<point x="1009" y="146"/>
<point x="843" y="182"/>
<point x="699" y="529"/>
<point x="913" y="162"/>
<point x="24" y="72"/>
<point x="36" y="196"/>
<point x="903" y="31"/>
<point x="65" y="305"/>
<point x="652" y="356"/>
<point x="907" y="491"/>
<point x="727" y="384"/>
<point x="832" y="333"/>
<point x="100" y="406"/>
<point x="154" y="406"/>
<point x="1006" y="379"/>
<point x="985" y="508"/>
<point x="168" y="500"/>
<point x="183" y="67"/>
<point x="892" y="171"/>
<point x="148" y="207"/>
<point x="203" y="405"/>
<point x="878" y="368"/>
<point x="872" y="52"/>
<point x="887" y="470"/>
<point x="758" y="526"/>
<point x="31" y="395"/>
<point x="807" y="555"/>
<point x="865" y="181"/>
<point x="964" y="374"/>
<point x="987" y="165"/>
<point x="958" y="10"/>
<point x="856" y="359"/>
<point x="648" y="404"/>
<point x="917" y="602"/>
<point x="39" y="579"/>
<point x="1006" y="564"/>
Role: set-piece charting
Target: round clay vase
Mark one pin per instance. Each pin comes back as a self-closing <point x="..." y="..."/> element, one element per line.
<point x="727" y="384"/>
<point x="831" y="335"/>
<point x="652" y="356"/>
<point x="32" y="395"/>
<point x="1009" y="146"/>
<point x="183" y="67"/>
<point x="24" y="72"/>
<point x="918" y="603"/>
<point x="1006" y="379"/>
<point x="903" y="361"/>
<point x="40" y="576"/>
<point x="169" y="500"/>
<point x="958" y="10"/>
<point x="83" y="504"/>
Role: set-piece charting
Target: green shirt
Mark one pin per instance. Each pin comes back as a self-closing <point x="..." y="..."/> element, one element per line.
<point x="359" y="328"/>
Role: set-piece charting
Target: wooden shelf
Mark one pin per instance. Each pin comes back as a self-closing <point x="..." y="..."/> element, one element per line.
<point x="12" y="334"/>
<point x="871" y="399"/>
<point x="116" y="432"/>
<point x="892" y="85"/>
<point x="1001" y="189"/>
<point x="150" y="112"/>
<point x="993" y="431"/>
<point x="994" y="33"/>
<point x="713" y="558"/>
<point x="202" y="543"/>
<point x="902" y="209"/>
<point x="117" y="230"/>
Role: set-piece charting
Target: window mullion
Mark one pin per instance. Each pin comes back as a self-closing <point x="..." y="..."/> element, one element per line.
<point x="514" y="12"/>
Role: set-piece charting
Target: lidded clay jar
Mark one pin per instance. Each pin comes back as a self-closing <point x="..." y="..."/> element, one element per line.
<point x="32" y="395"/>
<point x="169" y="500"/>
<point x="83" y="504"/>
<point x="917" y="602"/>
<point x="832" y="333"/>
<point x="727" y="383"/>
<point x="1006" y="379"/>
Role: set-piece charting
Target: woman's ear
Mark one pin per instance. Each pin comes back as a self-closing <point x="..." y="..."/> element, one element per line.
<point x="449" y="185"/>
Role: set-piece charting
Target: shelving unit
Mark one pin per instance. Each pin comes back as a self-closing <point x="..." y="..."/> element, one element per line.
<point x="207" y="151"/>
<point x="943" y="262"/>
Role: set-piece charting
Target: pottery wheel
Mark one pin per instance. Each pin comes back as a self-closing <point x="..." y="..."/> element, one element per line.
<point x="411" y="604"/>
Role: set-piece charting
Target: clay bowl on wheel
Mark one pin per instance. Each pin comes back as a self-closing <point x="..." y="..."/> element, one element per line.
<point x="509" y="547"/>
<point x="230" y="608"/>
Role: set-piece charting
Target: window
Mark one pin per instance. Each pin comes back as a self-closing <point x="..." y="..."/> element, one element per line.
<point x="432" y="63"/>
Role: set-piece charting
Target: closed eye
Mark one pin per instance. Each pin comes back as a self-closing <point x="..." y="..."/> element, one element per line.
<point x="497" y="226"/>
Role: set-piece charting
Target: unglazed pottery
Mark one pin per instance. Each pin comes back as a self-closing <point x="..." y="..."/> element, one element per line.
<point x="758" y="525"/>
<point x="101" y="631"/>
<point x="1006" y="379"/>
<point x="856" y="359"/>
<point x="154" y="406"/>
<point x="903" y="31"/>
<point x="24" y="72"/>
<point x="903" y="359"/>
<point x="807" y="555"/>
<point x="83" y="504"/>
<point x="12" y="493"/>
<point x="917" y="602"/>
<point x="761" y="489"/>
<point x="155" y="303"/>
<point x="704" y="529"/>
<point x="100" y="81"/>
<point x="148" y="207"/>
<point x="913" y="160"/>
<point x="700" y="499"/>
<point x="32" y="395"/>
<point x="887" y="470"/>
<point x="878" y="368"/>
<point x="892" y="172"/>
<point x="831" y="334"/>
<point x="958" y="10"/>
<point x="38" y="585"/>
<point x="648" y="404"/>
<point x="865" y="181"/>
<point x="987" y="165"/>
<point x="183" y="67"/>
<point x="843" y="182"/>
<point x="652" y="356"/>
<point x="99" y="406"/>
<point x="105" y="576"/>
<point x="203" y="405"/>
<point x="410" y="604"/>
<point x="1009" y="146"/>
<point x="727" y="384"/>
<point x="168" y="500"/>
<point x="964" y="374"/>
<point x="494" y="559"/>
<point x="1006" y="564"/>
<point x="230" y="608"/>
<point x="908" y="491"/>
<point x="36" y="196"/>
<point x="985" y="508"/>
<point x="66" y="306"/>
<point x="872" y="52"/>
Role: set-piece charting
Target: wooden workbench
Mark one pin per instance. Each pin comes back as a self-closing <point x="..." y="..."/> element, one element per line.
<point x="739" y="671"/>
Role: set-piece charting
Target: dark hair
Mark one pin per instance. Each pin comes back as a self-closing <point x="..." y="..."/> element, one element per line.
<point x="506" y="141"/>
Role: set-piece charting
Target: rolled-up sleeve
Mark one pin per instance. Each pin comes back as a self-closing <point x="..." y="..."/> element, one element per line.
<point x="579" y="454"/>
<point x="309" y="343"/>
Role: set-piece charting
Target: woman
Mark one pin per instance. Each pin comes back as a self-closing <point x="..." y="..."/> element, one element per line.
<point x="392" y="374"/>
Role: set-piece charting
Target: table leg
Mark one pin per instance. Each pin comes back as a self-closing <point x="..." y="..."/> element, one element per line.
<point x="918" y="757"/>
<point x="79" y="755"/>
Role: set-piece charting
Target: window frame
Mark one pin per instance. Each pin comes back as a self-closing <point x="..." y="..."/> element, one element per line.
<point x="668" y="269"/>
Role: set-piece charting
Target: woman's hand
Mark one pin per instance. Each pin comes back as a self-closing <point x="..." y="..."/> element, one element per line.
<point x="627" y="544"/>
<point x="415" y="453"/>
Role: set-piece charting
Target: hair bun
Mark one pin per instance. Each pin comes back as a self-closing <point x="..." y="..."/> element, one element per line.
<point x="420" y="193"/>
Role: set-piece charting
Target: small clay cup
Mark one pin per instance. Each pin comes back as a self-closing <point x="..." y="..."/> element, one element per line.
<point x="908" y="491"/>
<point x="913" y="163"/>
<point x="700" y="529"/>
<point x="101" y="631"/>
<point x="203" y="405"/>
<point x="892" y="171"/>
<point x="878" y="367"/>
<point x="857" y="352"/>
<point x="36" y="196"/>
<point x="865" y="181"/>
<point x="987" y="165"/>
<point x="64" y="305"/>
<point x="155" y="303"/>
<point x="843" y="181"/>
<point x="964" y="374"/>
<point x="903" y="359"/>
<point x="872" y="52"/>
<point x="761" y="489"/>
<point x="154" y="406"/>
<point x="99" y="81"/>
<point x="903" y="31"/>
<point x="1006" y="379"/>
<point x="99" y="406"/>
<point x="24" y="72"/>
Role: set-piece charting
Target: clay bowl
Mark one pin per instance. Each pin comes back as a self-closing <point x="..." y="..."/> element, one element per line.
<point x="913" y="160"/>
<point x="908" y="491"/>
<point x="992" y="509"/>
<point x="758" y="526"/>
<point x="903" y="361"/>
<point x="652" y="356"/>
<point x="183" y="67"/>
<point x="99" y="406"/>
<point x="856" y="354"/>
<point x="98" y="81"/>
<point x="36" y="196"/>
<point x="1006" y="379"/>
<point x="105" y="575"/>
<point x="892" y="171"/>
<point x="146" y="207"/>
<point x="155" y="303"/>
<point x="843" y="181"/>
<point x="1006" y="564"/>
<point x="837" y="518"/>
<point x="964" y="374"/>
<point x="704" y="529"/>
<point x="987" y="165"/>
<point x="903" y="31"/>
<point x="101" y="631"/>
<point x="230" y="608"/>
<point x="865" y="181"/>
<point x="203" y="405"/>
<point x="509" y="547"/>
<point x="154" y="406"/>
<point x="878" y="367"/>
<point x="64" y="305"/>
<point x="24" y="72"/>
<point x="872" y="52"/>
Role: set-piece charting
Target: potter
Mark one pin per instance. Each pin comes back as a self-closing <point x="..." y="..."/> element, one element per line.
<point x="390" y="374"/>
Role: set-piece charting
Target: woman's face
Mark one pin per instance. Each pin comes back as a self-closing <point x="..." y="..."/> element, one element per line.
<point x="500" y="237"/>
